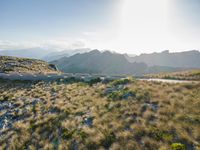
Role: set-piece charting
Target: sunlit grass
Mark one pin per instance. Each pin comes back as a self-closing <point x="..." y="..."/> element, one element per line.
<point x="59" y="115"/>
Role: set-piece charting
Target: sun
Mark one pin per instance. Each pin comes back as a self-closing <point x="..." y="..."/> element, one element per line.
<point x="143" y="22"/>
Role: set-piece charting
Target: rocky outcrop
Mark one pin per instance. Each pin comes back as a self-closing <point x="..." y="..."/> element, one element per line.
<point x="24" y="65"/>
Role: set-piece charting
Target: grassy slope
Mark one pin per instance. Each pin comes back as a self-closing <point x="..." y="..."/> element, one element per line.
<point x="181" y="75"/>
<point x="156" y="116"/>
<point x="24" y="65"/>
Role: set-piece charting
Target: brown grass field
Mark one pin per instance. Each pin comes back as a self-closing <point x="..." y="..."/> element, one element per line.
<point x="180" y="75"/>
<point x="120" y="115"/>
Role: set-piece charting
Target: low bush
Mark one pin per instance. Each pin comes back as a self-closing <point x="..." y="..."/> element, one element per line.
<point x="122" y="81"/>
<point x="178" y="146"/>
<point x="122" y="94"/>
<point x="109" y="139"/>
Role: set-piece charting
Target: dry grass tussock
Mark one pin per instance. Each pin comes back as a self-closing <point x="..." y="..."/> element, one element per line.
<point x="123" y="114"/>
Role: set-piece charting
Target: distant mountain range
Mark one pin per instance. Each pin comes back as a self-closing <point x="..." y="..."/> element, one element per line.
<point x="87" y="61"/>
<point x="65" y="53"/>
<point x="188" y="59"/>
<point x="36" y="53"/>
<point x="42" y="53"/>
<point x="100" y="63"/>
<point x="106" y="63"/>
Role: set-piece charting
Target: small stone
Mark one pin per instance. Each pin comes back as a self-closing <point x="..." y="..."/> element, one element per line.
<point x="88" y="121"/>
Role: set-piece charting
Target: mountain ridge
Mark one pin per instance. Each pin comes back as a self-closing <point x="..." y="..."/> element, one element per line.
<point x="106" y="63"/>
<point x="186" y="59"/>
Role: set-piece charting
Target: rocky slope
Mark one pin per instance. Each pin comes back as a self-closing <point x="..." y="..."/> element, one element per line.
<point x="10" y="64"/>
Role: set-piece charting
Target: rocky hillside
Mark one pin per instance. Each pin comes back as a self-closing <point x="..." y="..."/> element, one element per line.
<point x="24" y="65"/>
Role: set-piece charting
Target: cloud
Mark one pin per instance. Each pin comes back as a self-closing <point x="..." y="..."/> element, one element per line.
<point x="4" y="45"/>
<point x="53" y="44"/>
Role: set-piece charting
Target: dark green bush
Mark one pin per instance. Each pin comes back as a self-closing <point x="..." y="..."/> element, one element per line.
<point x="122" y="94"/>
<point x="94" y="81"/>
<point x="109" y="138"/>
<point x="121" y="81"/>
<point x="67" y="134"/>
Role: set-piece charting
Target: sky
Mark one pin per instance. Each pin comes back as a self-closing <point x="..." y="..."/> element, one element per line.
<point x="125" y="26"/>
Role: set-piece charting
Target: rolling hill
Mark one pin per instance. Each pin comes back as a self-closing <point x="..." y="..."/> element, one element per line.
<point x="10" y="64"/>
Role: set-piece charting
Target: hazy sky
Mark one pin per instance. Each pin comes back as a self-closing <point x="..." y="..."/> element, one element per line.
<point x="128" y="26"/>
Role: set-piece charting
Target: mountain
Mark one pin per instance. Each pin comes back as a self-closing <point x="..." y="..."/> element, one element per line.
<point x="129" y="57"/>
<point x="42" y="53"/>
<point x="10" y="64"/>
<point x="99" y="62"/>
<point x="188" y="59"/>
<point x="65" y="53"/>
<point x="87" y="61"/>
<point x="36" y="53"/>
<point x="106" y="63"/>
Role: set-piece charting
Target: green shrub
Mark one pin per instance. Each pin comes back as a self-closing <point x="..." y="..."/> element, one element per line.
<point x="109" y="138"/>
<point x="178" y="146"/>
<point x="160" y="134"/>
<point x="122" y="94"/>
<point x="67" y="134"/>
<point x="144" y="95"/>
<point x="83" y="135"/>
<point x="94" y="81"/>
<point x="156" y="133"/>
<point x="121" y="81"/>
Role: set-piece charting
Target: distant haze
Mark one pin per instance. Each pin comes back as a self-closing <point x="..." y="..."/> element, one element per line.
<point x="125" y="26"/>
